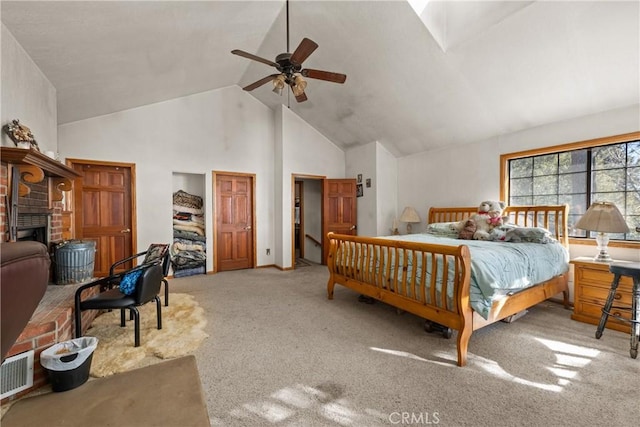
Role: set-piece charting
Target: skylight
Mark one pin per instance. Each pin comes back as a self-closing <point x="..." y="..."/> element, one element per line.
<point x="453" y="22"/>
<point x="418" y="5"/>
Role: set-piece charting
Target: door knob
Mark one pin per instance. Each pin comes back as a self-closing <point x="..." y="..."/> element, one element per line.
<point x="353" y="227"/>
<point x="248" y="227"/>
<point x="126" y="230"/>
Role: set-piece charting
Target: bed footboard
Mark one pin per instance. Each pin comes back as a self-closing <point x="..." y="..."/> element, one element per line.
<point x="430" y="281"/>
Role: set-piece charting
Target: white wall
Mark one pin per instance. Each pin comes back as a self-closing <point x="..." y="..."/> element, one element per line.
<point x="192" y="183"/>
<point x="386" y="188"/>
<point x="378" y="206"/>
<point x="466" y="175"/>
<point x="305" y="151"/>
<point x="222" y="130"/>
<point x="362" y="161"/>
<point x="27" y="95"/>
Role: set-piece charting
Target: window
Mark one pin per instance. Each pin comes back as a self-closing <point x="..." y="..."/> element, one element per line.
<point x="606" y="169"/>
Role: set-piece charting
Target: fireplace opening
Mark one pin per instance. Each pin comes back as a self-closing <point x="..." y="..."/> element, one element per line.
<point x="35" y="234"/>
<point x="33" y="227"/>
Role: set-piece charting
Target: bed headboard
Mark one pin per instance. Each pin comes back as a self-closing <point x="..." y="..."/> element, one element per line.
<point x="552" y="217"/>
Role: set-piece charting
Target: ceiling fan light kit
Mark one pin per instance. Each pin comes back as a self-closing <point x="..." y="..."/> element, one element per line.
<point x="299" y="85"/>
<point x="289" y="66"/>
<point x="278" y="84"/>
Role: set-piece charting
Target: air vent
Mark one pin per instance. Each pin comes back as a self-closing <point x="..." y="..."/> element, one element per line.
<point x="16" y="373"/>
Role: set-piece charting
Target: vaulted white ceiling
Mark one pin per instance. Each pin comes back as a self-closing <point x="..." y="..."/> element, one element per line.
<point x="453" y="73"/>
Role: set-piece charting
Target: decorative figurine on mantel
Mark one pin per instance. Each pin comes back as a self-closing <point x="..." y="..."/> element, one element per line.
<point x="20" y="135"/>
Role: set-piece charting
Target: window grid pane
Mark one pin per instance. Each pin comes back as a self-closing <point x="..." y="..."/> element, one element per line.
<point x="613" y="174"/>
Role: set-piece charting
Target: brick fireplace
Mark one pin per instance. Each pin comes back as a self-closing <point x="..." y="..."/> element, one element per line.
<point x="39" y="217"/>
<point x="36" y="210"/>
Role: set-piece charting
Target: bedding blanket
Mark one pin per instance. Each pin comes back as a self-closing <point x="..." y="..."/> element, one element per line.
<point x="499" y="268"/>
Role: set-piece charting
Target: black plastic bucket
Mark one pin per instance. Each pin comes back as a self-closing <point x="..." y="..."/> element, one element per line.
<point x="67" y="380"/>
<point x="68" y="363"/>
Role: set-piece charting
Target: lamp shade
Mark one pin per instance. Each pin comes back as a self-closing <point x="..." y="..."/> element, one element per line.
<point x="603" y="217"/>
<point x="409" y="214"/>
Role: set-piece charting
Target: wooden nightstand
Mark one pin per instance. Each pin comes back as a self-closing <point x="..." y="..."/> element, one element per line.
<point x="591" y="284"/>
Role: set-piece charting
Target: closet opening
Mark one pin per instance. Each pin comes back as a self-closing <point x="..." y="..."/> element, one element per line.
<point x="189" y="245"/>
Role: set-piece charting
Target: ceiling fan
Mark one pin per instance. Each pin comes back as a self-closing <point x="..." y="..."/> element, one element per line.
<point x="290" y="71"/>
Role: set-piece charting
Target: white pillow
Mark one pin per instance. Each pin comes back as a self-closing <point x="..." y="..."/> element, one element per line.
<point x="529" y="234"/>
<point x="443" y="229"/>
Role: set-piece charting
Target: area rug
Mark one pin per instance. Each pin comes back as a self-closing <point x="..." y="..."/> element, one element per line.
<point x="182" y="332"/>
<point x="165" y="394"/>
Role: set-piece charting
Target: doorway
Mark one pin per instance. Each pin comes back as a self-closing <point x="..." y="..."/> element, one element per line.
<point x="307" y="221"/>
<point x="104" y="210"/>
<point x="320" y="205"/>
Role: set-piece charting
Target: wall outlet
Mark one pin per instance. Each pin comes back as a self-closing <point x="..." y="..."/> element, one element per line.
<point x="268" y="251"/>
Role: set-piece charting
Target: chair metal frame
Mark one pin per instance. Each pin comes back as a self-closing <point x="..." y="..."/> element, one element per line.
<point x="166" y="263"/>
<point x="112" y="298"/>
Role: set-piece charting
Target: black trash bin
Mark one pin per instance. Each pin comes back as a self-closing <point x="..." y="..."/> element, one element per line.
<point x="68" y="363"/>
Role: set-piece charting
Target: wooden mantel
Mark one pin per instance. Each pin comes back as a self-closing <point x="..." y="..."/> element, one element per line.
<point x="31" y="157"/>
<point x="32" y="166"/>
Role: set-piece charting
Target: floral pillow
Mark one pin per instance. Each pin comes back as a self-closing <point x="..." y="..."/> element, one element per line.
<point x="129" y="281"/>
<point x="155" y="253"/>
<point x="443" y="229"/>
<point x="529" y="234"/>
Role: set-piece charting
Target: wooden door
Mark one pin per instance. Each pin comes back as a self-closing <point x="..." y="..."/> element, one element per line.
<point x="103" y="211"/>
<point x="234" y="222"/>
<point x="338" y="210"/>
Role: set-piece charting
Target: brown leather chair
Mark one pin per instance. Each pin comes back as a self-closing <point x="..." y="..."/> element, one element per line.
<point x="24" y="278"/>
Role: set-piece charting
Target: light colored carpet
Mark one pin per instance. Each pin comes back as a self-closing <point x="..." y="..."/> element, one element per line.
<point x="182" y="332"/>
<point x="165" y="394"/>
<point x="281" y="354"/>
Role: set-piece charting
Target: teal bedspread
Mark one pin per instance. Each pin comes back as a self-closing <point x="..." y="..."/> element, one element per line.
<point x="499" y="268"/>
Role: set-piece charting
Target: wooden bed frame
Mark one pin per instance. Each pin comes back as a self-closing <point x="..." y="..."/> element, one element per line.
<point x="348" y="255"/>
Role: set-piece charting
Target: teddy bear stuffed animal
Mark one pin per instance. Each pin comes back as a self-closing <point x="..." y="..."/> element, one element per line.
<point x="468" y="230"/>
<point x="488" y="217"/>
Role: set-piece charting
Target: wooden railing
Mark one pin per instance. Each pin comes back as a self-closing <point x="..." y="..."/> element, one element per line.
<point x="313" y="239"/>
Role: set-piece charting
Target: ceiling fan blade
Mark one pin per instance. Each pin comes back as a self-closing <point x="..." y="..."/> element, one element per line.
<point x="260" y="82"/>
<point x="302" y="97"/>
<point x="302" y="52"/>
<point x="254" y="57"/>
<point x="324" y="75"/>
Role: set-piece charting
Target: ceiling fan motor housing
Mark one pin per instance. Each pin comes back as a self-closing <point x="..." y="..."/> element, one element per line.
<point x="285" y="65"/>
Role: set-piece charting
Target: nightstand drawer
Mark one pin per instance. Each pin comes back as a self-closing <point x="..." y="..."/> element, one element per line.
<point x="602" y="278"/>
<point x="592" y="281"/>
<point x="598" y="295"/>
<point x="595" y="311"/>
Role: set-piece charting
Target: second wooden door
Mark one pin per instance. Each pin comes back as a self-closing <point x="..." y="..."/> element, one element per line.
<point x="339" y="213"/>
<point x="234" y="246"/>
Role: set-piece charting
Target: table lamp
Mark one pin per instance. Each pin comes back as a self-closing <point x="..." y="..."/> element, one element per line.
<point x="603" y="217"/>
<point x="409" y="215"/>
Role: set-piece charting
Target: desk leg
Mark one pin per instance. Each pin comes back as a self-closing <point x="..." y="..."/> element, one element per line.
<point x="607" y="306"/>
<point x="635" y="318"/>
